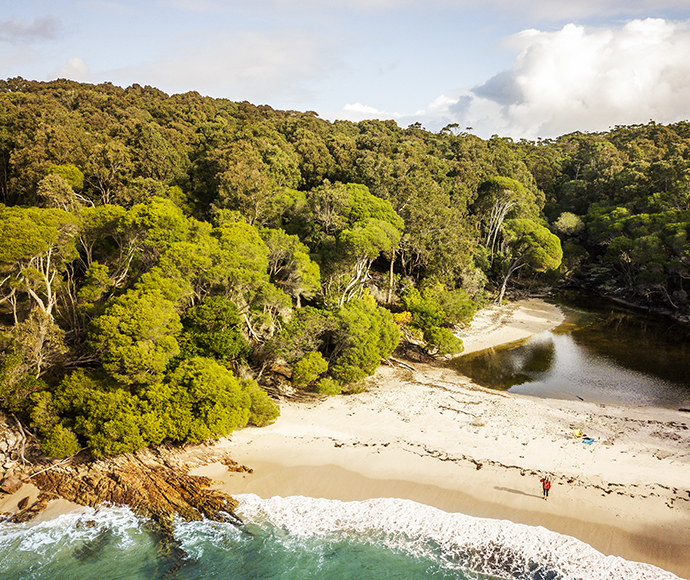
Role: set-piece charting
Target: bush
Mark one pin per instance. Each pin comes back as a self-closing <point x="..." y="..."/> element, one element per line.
<point x="457" y="306"/>
<point x="443" y="340"/>
<point x="425" y="308"/>
<point x="213" y="329"/>
<point x="263" y="410"/>
<point x="105" y="417"/>
<point x="59" y="442"/>
<point x="308" y="370"/>
<point x="328" y="386"/>
<point x="435" y="306"/>
<point x="367" y="334"/>
<point x="206" y="400"/>
<point x="307" y="332"/>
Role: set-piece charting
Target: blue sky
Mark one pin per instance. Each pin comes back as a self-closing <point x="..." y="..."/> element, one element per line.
<point x="516" y="68"/>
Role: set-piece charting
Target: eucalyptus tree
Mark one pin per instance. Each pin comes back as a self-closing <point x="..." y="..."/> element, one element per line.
<point x="529" y="246"/>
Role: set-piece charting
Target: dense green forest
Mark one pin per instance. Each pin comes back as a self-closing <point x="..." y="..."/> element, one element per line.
<point x="160" y="254"/>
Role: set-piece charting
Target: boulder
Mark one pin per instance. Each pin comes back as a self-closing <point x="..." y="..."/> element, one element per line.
<point x="11" y="484"/>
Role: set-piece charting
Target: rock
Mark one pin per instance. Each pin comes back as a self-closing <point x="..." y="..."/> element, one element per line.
<point x="28" y="514"/>
<point x="151" y="482"/>
<point x="23" y="502"/>
<point x="11" y="484"/>
<point x="235" y="467"/>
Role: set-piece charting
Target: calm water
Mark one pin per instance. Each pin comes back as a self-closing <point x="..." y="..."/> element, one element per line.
<point x="302" y="538"/>
<point x="602" y="353"/>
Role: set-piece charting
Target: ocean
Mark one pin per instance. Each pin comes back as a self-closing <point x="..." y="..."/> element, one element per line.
<point x="300" y="538"/>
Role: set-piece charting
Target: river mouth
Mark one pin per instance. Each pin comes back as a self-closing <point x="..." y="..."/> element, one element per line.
<point x="601" y="353"/>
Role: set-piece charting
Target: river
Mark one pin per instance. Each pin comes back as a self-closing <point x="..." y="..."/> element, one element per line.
<point x="602" y="352"/>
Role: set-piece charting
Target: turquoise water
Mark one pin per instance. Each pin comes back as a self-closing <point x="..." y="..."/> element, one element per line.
<point x="303" y="538"/>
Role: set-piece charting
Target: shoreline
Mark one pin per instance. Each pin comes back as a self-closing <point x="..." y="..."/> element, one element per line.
<point x="434" y="437"/>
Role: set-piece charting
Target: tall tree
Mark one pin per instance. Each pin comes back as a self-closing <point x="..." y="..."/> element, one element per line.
<point x="530" y="246"/>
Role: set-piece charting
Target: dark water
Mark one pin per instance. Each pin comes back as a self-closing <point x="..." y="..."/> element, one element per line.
<point x="602" y="353"/>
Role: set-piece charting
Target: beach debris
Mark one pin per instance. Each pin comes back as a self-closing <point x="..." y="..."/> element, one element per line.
<point x="401" y="363"/>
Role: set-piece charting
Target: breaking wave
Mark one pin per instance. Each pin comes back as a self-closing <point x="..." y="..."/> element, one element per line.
<point x="490" y="547"/>
<point x="298" y="538"/>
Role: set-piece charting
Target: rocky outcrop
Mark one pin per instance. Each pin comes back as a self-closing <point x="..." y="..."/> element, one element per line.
<point x="154" y="483"/>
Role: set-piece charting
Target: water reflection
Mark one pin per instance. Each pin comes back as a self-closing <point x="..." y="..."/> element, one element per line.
<point x="601" y="353"/>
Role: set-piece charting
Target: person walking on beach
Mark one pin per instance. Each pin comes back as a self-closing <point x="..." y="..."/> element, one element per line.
<point x="545" y="486"/>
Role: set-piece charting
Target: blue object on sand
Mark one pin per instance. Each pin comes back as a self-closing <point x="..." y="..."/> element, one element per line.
<point x="588" y="440"/>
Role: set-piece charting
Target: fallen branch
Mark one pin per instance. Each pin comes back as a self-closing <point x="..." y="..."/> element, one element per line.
<point x="23" y="445"/>
<point x="457" y="411"/>
<point x="251" y="330"/>
<point x="65" y="460"/>
<point x="402" y="364"/>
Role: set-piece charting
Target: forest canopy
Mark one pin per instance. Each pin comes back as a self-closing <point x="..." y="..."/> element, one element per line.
<point x="159" y="254"/>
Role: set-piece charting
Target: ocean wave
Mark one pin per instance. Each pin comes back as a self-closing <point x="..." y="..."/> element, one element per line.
<point x="304" y="538"/>
<point x="48" y="549"/>
<point x="83" y="525"/>
<point x="491" y="547"/>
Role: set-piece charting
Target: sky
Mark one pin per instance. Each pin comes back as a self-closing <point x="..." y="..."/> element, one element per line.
<point x="514" y="68"/>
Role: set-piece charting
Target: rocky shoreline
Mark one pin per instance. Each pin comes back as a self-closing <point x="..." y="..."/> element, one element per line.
<point x="154" y="483"/>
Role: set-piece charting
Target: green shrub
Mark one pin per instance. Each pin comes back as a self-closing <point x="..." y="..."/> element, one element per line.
<point x="59" y="442"/>
<point x="308" y="369"/>
<point x="444" y="340"/>
<point x="306" y="332"/>
<point x="206" y="400"/>
<point x="263" y="410"/>
<point x="425" y="308"/>
<point x="457" y="306"/>
<point x="367" y="334"/>
<point x="213" y="329"/>
<point x="328" y="386"/>
<point x="436" y="306"/>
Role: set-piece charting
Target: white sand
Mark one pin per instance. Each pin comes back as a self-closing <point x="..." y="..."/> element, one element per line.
<point x="435" y="437"/>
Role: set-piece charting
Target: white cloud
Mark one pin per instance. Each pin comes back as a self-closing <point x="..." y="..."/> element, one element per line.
<point x="18" y="30"/>
<point x="579" y="79"/>
<point x="574" y="79"/>
<point x="360" y="108"/>
<point x="74" y="69"/>
<point x="254" y="66"/>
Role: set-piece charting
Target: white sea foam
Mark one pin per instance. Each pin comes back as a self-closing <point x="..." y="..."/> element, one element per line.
<point x="196" y="536"/>
<point x="494" y="547"/>
<point x="84" y="526"/>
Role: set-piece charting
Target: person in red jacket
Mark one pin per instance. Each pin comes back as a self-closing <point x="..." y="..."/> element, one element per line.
<point x="545" y="486"/>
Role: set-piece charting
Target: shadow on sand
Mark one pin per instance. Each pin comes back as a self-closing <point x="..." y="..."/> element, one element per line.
<point x="516" y="491"/>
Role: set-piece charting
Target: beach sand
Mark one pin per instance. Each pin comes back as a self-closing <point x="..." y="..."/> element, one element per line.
<point x="432" y="436"/>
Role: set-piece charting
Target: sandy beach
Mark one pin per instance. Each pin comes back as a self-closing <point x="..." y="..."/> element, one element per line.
<point x="432" y="436"/>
